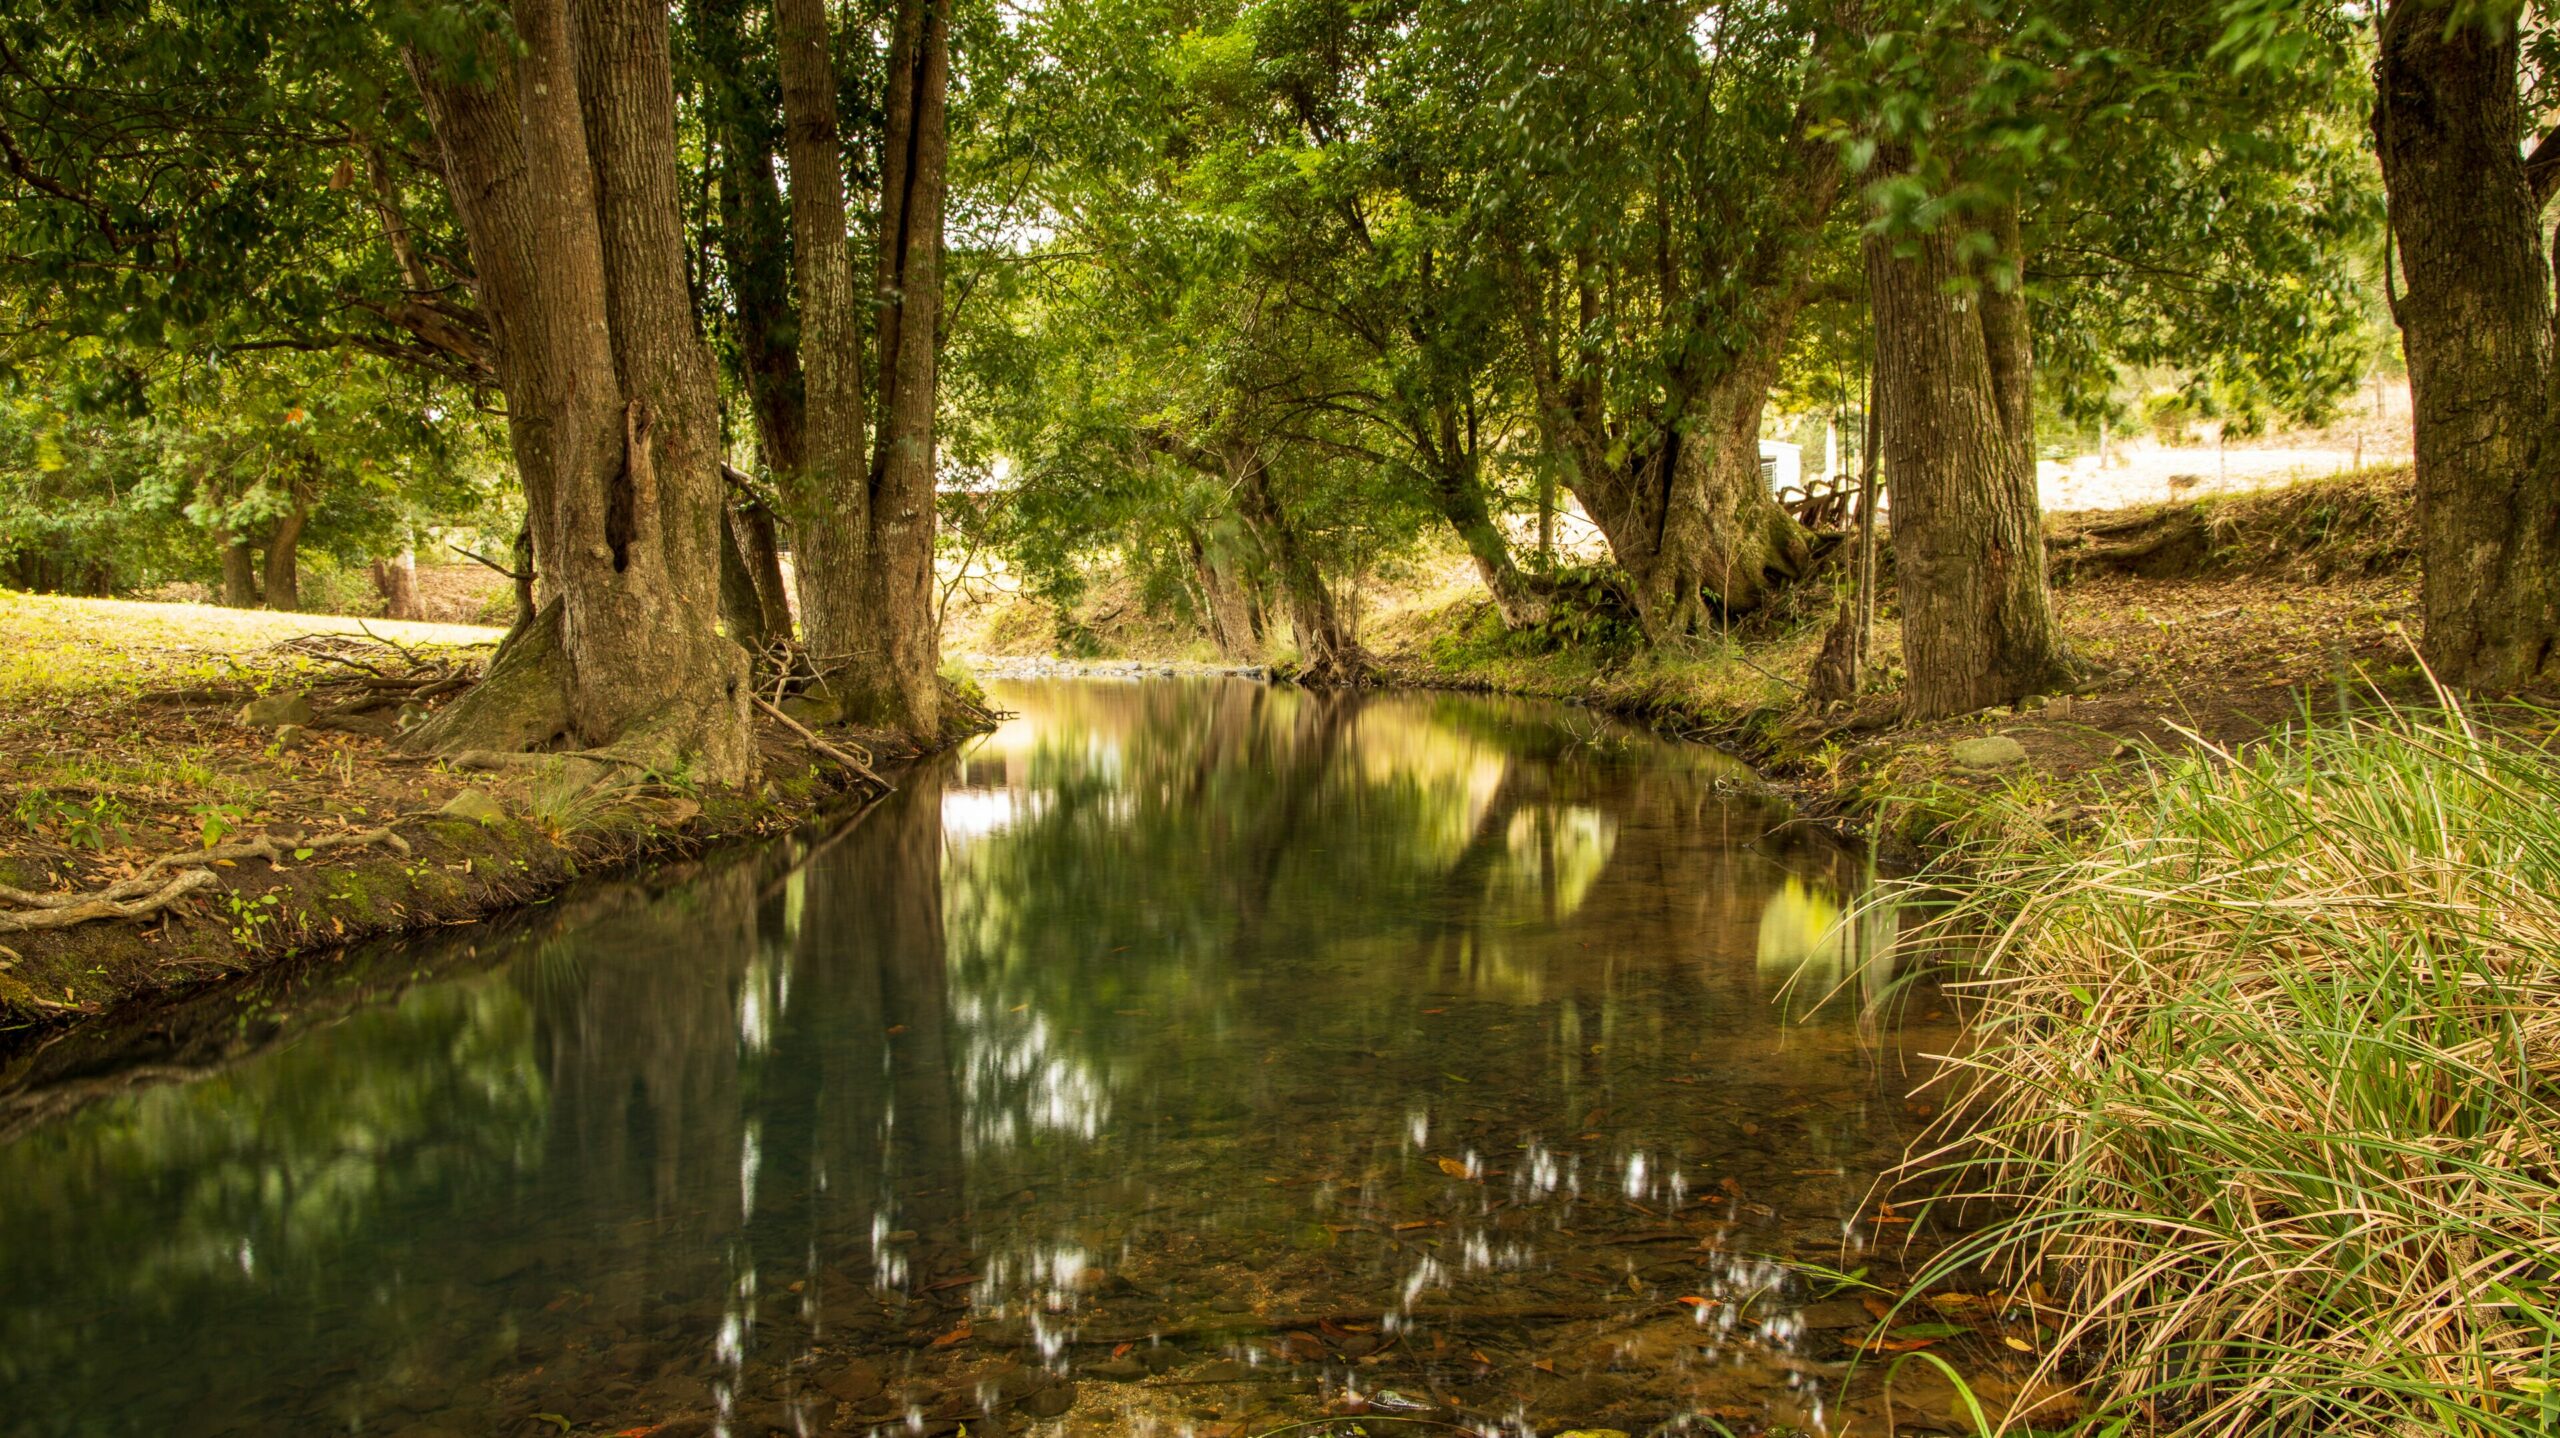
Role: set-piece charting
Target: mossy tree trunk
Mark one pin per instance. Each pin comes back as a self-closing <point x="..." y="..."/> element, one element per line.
<point x="562" y="169"/>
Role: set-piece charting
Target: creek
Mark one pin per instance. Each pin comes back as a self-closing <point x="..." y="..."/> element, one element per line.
<point x="1188" y="1056"/>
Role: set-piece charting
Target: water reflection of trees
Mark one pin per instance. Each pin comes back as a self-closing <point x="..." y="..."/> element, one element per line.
<point x="1178" y="933"/>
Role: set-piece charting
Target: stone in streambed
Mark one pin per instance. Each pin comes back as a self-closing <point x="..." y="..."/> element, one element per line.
<point x="1050" y="1402"/>
<point x="475" y="805"/>
<point x="1993" y="751"/>
<point x="1118" y="1370"/>
<point x="275" y="711"/>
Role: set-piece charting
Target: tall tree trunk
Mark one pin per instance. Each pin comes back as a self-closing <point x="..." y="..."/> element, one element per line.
<point x="826" y="491"/>
<point x="239" y="568"/>
<point x="1956" y="392"/>
<point x="567" y="194"/>
<point x="2477" y="326"/>
<point x="1327" y="654"/>
<point x="284" y="558"/>
<point x="395" y="578"/>
<point x="904" y="687"/>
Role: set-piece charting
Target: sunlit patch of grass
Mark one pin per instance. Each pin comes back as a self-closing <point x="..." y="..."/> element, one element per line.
<point x="2268" y="1074"/>
<point x="53" y="645"/>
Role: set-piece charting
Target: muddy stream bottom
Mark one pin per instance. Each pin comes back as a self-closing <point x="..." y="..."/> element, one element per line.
<point x="1188" y="1057"/>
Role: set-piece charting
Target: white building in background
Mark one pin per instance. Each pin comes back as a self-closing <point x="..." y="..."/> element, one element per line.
<point x="1781" y="465"/>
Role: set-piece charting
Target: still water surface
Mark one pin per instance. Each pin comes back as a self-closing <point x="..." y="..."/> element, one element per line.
<point x="1185" y="1057"/>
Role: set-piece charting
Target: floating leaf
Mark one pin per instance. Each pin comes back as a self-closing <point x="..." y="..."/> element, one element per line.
<point x="1931" y="1330"/>
<point x="1453" y="1168"/>
<point x="553" y="1418"/>
<point x="956" y="1335"/>
<point x="2020" y="1344"/>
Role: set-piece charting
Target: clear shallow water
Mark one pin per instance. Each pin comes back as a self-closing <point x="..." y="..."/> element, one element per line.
<point x="1188" y="1056"/>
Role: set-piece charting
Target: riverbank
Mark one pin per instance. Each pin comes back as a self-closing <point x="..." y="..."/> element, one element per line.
<point x="217" y="790"/>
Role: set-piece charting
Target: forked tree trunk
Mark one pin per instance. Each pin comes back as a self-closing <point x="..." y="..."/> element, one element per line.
<point x="1687" y="517"/>
<point x="284" y="559"/>
<point x="863" y="522"/>
<point x="563" y="174"/>
<point x="1956" y="392"/>
<point x="902" y="688"/>
<point x="2477" y="325"/>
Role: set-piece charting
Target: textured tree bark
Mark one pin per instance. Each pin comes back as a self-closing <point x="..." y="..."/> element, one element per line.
<point x="284" y="558"/>
<point x="2477" y="326"/>
<point x="239" y="569"/>
<point x="567" y="193"/>
<point x="1327" y="654"/>
<point x="395" y="578"/>
<point x="902" y="686"/>
<point x="826" y="491"/>
<point x="1955" y="388"/>
<point x="1687" y="516"/>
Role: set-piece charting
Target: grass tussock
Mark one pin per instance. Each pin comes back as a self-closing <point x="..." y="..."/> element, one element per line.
<point x="2268" y="1078"/>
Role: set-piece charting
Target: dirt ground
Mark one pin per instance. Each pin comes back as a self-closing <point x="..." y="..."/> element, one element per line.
<point x="130" y="776"/>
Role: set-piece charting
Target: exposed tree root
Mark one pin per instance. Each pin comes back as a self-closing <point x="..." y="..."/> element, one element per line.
<point x="821" y="746"/>
<point x="146" y="894"/>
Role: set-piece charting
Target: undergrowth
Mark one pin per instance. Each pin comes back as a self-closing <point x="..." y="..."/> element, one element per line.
<point x="2266" y="1079"/>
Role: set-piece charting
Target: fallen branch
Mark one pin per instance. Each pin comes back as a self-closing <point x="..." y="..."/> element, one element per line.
<point x="144" y="894"/>
<point x="818" y="744"/>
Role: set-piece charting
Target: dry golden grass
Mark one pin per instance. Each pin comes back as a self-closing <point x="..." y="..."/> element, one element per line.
<point x="2268" y="1077"/>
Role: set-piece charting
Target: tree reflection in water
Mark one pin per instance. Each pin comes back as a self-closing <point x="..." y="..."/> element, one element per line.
<point x="1396" y="1042"/>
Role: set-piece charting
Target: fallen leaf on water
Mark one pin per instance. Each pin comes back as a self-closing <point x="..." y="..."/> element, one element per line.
<point x="1545" y="1365"/>
<point x="1435" y="1011"/>
<point x="1931" y="1330"/>
<point x="1417" y="1223"/>
<point x="552" y="1418"/>
<point x="1453" y="1168"/>
<point x="897" y="1028"/>
<point x="638" y="1432"/>
<point x="1875" y="1304"/>
<point x="1122" y="1350"/>
<point x="1694" y="1301"/>
<point x="1898" y="1345"/>
<point x="956" y="1335"/>
<point x="2020" y="1344"/>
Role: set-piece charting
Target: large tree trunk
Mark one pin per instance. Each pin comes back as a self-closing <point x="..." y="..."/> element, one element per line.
<point x="903" y="686"/>
<point x="2477" y="325"/>
<point x="1956" y="393"/>
<point x="395" y="578"/>
<point x="826" y="494"/>
<point x="284" y="559"/>
<point x="239" y="569"/>
<point x="1327" y="654"/>
<point x="567" y="194"/>
<point x="1686" y="516"/>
